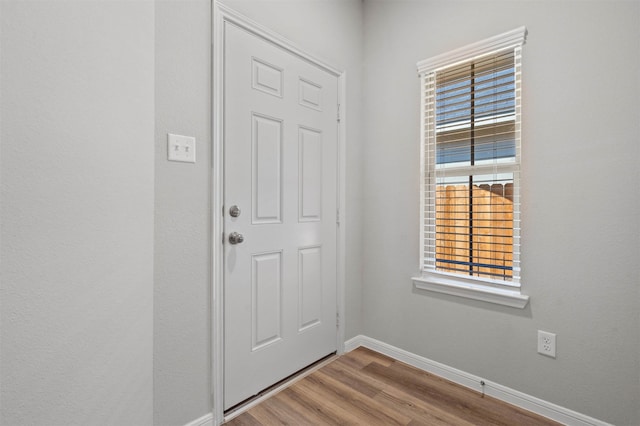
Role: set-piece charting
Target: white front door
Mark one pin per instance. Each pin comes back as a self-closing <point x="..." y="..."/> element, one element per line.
<point x="280" y="173"/>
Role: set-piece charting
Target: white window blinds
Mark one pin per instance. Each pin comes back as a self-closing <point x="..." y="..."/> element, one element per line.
<point x="471" y="161"/>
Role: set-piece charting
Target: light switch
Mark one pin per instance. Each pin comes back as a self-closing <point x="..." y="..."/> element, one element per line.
<point x="181" y="148"/>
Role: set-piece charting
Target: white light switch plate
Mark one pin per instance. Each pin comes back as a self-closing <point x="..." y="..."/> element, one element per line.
<point x="181" y="148"/>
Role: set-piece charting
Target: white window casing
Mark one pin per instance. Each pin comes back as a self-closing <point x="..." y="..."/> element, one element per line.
<point x="490" y="162"/>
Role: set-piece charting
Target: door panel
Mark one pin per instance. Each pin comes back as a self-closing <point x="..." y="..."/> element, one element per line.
<point x="310" y="287"/>
<point x="280" y="146"/>
<point x="266" y="169"/>
<point x="310" y="174"/>
<point x="266" y="296"/>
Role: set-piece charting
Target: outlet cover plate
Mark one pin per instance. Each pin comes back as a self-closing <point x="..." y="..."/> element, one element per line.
<point x="547" y="343"/>
<point x="181" y="148"/>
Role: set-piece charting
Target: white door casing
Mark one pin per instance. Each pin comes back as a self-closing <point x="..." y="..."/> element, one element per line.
<point x="281" y="162"/>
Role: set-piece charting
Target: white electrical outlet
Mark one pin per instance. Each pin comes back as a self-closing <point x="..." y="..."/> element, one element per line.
<point x="547" y="343"/>
<point x="181" y="148"/>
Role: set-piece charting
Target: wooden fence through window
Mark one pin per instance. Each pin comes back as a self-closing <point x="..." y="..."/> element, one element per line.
<point x="474" y="236"/>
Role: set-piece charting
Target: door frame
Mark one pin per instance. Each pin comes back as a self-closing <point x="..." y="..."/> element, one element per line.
<point x="222" y="14"/>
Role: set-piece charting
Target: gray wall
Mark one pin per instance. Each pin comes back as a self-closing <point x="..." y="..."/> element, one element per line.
<point x="76" y="226"/>
<point x="331" y="30"/>
<point x="581" y="238"/>
<point x="182" y="336"/>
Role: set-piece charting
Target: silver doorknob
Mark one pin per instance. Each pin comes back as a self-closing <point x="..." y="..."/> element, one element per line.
<point x="234" y="211"/>
<point x="235" y="238"/>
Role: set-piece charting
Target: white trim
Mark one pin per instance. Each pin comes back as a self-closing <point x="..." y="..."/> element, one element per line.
<point x="495" y="390"/>
<point x="423" y="169"/>
<point x="488" y="290"/>
<point x="510" y="39"/>
<point x="342" y="211"/>
<point x="206" y="420"/>
<point x="471" y="289"/>
<point x="220" y="15"/>
<point x="217" y="224"/>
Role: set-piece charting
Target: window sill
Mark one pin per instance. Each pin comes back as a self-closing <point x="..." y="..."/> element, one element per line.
<point x="471" y="290"/>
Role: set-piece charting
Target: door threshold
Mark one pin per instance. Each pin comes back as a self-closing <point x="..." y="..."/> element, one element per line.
<point x="249" y="403"/>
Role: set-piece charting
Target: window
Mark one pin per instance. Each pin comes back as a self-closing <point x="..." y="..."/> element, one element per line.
<point x="471" y="170"/>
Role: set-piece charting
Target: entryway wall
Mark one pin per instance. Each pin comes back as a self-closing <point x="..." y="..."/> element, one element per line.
<point x="76" y="207"/>
<point x="580" y="228"/>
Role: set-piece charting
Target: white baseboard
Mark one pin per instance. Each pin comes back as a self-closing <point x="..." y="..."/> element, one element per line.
<point x="503" y="393"/>
<point x="206" y="420"/>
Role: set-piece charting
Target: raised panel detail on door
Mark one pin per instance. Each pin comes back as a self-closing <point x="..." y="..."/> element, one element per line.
<point x="309" y="286"/>
<point x="266" y="296"/>
<point x="310" y="174"/>
<point x="266" y="150"/>
<point x="267" y="78"/>
<point x="310" y="94"/>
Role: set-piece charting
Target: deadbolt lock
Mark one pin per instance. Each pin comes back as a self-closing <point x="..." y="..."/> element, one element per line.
<point x="234" y="211"/>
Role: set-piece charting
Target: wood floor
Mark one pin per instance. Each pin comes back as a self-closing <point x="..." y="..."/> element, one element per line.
<point x="366" y="388"/>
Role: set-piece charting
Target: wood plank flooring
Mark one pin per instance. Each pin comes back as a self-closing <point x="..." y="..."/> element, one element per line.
<point x="364" y="387"/>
